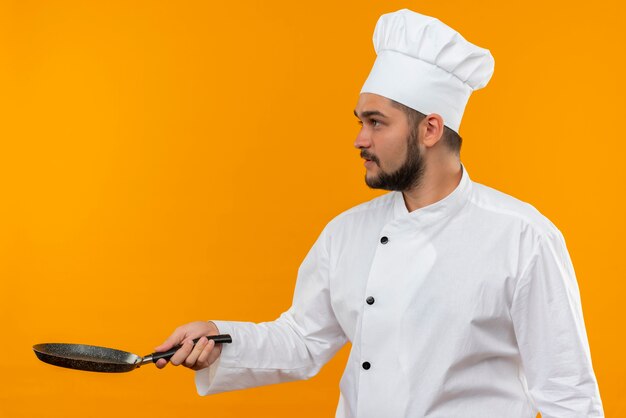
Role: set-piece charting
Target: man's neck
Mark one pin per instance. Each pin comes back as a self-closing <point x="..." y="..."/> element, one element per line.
<point x="439" y="180"/>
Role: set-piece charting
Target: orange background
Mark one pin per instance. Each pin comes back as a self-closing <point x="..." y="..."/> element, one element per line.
<point x="163" y="162"/>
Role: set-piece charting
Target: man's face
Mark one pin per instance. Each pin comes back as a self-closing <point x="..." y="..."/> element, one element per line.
<point x="388" y="145"/>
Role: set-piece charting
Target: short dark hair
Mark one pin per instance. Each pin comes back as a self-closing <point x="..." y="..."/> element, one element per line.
<point x="450" y="138"/>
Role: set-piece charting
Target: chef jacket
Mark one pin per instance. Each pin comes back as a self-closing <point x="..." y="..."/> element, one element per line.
<point x="468" y="307"/>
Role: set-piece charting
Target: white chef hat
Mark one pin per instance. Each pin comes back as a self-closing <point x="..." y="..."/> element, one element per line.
<point x="426" y="65"/>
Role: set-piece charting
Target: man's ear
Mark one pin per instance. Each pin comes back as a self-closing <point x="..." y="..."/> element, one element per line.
<point x="431" y="128"/>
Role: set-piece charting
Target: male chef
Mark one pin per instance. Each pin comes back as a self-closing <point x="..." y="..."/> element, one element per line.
<point x="459" y="301"/>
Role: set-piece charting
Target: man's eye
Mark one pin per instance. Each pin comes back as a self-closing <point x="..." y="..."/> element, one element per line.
<point x="372" y="122"/>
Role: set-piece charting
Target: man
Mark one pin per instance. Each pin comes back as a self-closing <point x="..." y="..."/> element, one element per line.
<point x="459" y="301"/>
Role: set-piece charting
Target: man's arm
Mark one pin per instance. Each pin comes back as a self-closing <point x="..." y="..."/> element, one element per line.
<point x="295" y="346"/>
<point x="550" y="331"/>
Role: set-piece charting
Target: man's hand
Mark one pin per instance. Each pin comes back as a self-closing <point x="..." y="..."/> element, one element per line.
<point x="197" y="357"/>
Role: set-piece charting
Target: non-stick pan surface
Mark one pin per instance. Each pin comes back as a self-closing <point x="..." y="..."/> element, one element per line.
<point x="87" y="357"/>
<point x="101" y="359"/>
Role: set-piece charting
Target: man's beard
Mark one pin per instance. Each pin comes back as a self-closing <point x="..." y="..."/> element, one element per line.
<point x="408" y="176"/>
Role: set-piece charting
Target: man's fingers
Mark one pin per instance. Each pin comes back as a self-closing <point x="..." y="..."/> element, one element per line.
<point x="187" y="355"/>
<point x="215" y="353"/>
<point x="190" y="330"/>
<point x="191" y="359"/>
<point x="182" y="353"/>
<point x="165" y="345"/>
<point x="161" y="363"/>
<point x="203" y="360"/>
<point x="173" y="340"/>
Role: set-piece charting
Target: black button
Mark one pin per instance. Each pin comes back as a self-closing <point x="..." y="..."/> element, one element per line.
<point x="370" y="300"/>
<point x="384" y="240"/>
<point x="366" y="365"/>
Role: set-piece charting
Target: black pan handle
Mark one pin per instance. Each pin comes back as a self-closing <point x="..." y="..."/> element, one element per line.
<point x="223" y="338"/>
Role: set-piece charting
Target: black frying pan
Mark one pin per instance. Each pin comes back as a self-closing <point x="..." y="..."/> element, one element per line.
<point x="100" y="359"/>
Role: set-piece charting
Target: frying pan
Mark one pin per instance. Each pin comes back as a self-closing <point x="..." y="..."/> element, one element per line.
<point x="100" y="359"/>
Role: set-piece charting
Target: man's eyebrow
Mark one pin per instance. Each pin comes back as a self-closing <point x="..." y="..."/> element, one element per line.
<point x="368" y="113"/>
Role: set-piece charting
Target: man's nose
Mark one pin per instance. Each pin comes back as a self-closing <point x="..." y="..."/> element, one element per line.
<point x="362" y="139"/>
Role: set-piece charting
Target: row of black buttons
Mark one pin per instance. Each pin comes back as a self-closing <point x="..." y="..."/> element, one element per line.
<point x="370" y="301"/>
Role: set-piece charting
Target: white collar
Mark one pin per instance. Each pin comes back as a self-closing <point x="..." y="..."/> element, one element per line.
<point x="443" y="208"/>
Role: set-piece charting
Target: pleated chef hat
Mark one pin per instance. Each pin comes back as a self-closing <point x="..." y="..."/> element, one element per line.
<point x="426" y="65"/>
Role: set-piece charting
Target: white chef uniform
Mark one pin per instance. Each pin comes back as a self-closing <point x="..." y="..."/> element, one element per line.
<point x="468" y="307"/>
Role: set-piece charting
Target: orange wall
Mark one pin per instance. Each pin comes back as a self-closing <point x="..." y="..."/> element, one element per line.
<point x="163" y="162"/>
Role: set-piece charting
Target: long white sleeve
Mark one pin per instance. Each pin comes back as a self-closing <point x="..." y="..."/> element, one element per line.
<point x="293" y="347"/>
<point x="550" y="330"/>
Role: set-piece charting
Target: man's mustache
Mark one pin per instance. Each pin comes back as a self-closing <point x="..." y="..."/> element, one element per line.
<point x="368" y="156"/>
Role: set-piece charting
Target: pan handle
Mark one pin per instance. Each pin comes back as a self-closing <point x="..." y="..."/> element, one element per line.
<point x="222" y="338"/>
